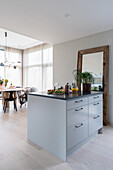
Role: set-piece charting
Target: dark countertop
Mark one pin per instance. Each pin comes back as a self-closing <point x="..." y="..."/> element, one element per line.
<point x="64" y="96"/>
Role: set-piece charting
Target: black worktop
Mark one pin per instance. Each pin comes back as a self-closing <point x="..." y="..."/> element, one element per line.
<point x="64" y="96"/>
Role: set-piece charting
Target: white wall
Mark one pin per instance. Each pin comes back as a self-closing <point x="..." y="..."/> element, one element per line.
<point x="65" y="60"/>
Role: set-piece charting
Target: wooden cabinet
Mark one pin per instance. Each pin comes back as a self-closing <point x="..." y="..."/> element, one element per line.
<point x="77" y="133"/>
<point x="84" y="118"/>
<point x="77" y="115"/>
<point x="81" y="101"/>
<point x="95" y="115"/>
<point x="95" y="98"/>
<point x="61" y="124"/>
<point x="95" y="108"/>
<point x="95" y="123"/>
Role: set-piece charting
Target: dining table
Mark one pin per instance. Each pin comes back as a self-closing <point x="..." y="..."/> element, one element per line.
<point x="10" y="92"/>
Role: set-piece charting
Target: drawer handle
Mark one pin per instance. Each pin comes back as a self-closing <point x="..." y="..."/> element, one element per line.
<point x="96" y="97"/>
<point x="78" y="101"/>
<point x="78" y="109"/>
<point x="96" y="104"/>
<point x="96" y="117"/>
<point x="79" y="125"/>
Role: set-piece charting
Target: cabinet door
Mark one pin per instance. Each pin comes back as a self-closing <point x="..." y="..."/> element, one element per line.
<point x="77" y="115"/>
<point x="76" y="103"/>
<point x="95" y="98"/>
<point x="95" y="108"/>
<point x="76" y="134"/>
<point x="95" y="123"/>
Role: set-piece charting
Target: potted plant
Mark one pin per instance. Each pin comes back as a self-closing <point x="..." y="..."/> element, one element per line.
<point x="1" y="83"/>
<point x="84" y="77"/>
<point x="6" y="81"/>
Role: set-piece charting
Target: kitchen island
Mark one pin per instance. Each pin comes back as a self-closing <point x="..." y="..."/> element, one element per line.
<point x="63" y="123"/>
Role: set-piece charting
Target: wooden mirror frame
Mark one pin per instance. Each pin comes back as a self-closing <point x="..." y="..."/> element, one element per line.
<point x="105" y="50"/>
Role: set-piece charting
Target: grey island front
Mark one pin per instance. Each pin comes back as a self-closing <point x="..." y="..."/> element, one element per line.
<point x="61" y="124"/>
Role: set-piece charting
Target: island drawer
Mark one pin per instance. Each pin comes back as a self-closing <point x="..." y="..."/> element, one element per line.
<point x="77" y="115"/>
<point x="95" y="98"/>
<point x="76" y="103"/>
<point x="95" y="108"/>
<point x="76" y="134"/>
<point x="95" y="123"/>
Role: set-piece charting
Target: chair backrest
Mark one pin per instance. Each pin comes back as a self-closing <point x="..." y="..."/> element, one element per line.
<point x="27" y="89"/>
<point x="19" y="93"/>
<point x="5" y="95"/>
<point x="34" y="89"/>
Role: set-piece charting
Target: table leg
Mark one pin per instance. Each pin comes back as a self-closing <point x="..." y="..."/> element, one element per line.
<point x="6" y="94"/>
<point x="15" y="95"/>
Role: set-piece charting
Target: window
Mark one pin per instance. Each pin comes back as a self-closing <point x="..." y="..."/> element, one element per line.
<point x="38" y="67"/>
<point x="47" y="68"/>
<point x="8" y="71"/>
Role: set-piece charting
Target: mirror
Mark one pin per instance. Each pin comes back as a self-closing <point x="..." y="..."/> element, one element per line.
<point x="96" y="60"/>
<point x="93" y="63"/>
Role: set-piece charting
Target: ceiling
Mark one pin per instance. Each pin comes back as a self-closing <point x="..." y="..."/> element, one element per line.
<point x="15" y="40"/>
<point x="56" y="21"/>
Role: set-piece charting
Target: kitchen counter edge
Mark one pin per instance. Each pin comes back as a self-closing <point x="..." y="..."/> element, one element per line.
<point x="65" y="96"/>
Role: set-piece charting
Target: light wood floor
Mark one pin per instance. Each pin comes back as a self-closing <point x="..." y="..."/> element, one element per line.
<point x="16" y="153"/>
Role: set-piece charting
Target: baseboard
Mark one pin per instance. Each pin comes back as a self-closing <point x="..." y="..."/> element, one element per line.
<point x="110" y="123"/>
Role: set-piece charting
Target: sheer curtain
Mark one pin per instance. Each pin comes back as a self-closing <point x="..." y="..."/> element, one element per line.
<point x="38" y="67"/>
<point x="14" y="76"/>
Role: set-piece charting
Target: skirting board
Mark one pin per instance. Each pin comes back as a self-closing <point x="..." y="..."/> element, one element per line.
<point x="110" y="123"/>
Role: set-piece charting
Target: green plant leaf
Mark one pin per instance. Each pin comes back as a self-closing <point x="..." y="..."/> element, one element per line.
<point x="83" y="77"/>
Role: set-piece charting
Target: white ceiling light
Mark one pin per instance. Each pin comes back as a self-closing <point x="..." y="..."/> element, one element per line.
<point x="6" y="62"/>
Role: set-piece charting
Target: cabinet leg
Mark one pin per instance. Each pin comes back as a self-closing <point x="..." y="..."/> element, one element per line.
<point x="100" y="131"/>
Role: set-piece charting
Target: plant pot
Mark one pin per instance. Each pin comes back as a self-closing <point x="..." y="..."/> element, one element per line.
<point x="87" y="87"/>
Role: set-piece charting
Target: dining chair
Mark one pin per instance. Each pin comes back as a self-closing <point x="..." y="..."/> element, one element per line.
<point x="22" y="96"/>
<point x="8" y="99"/>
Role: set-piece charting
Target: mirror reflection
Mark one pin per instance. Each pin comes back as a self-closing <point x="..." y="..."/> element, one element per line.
<point x="93" y="63"/>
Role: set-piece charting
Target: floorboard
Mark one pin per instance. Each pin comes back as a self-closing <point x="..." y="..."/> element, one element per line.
<point x="17" y="153"/>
